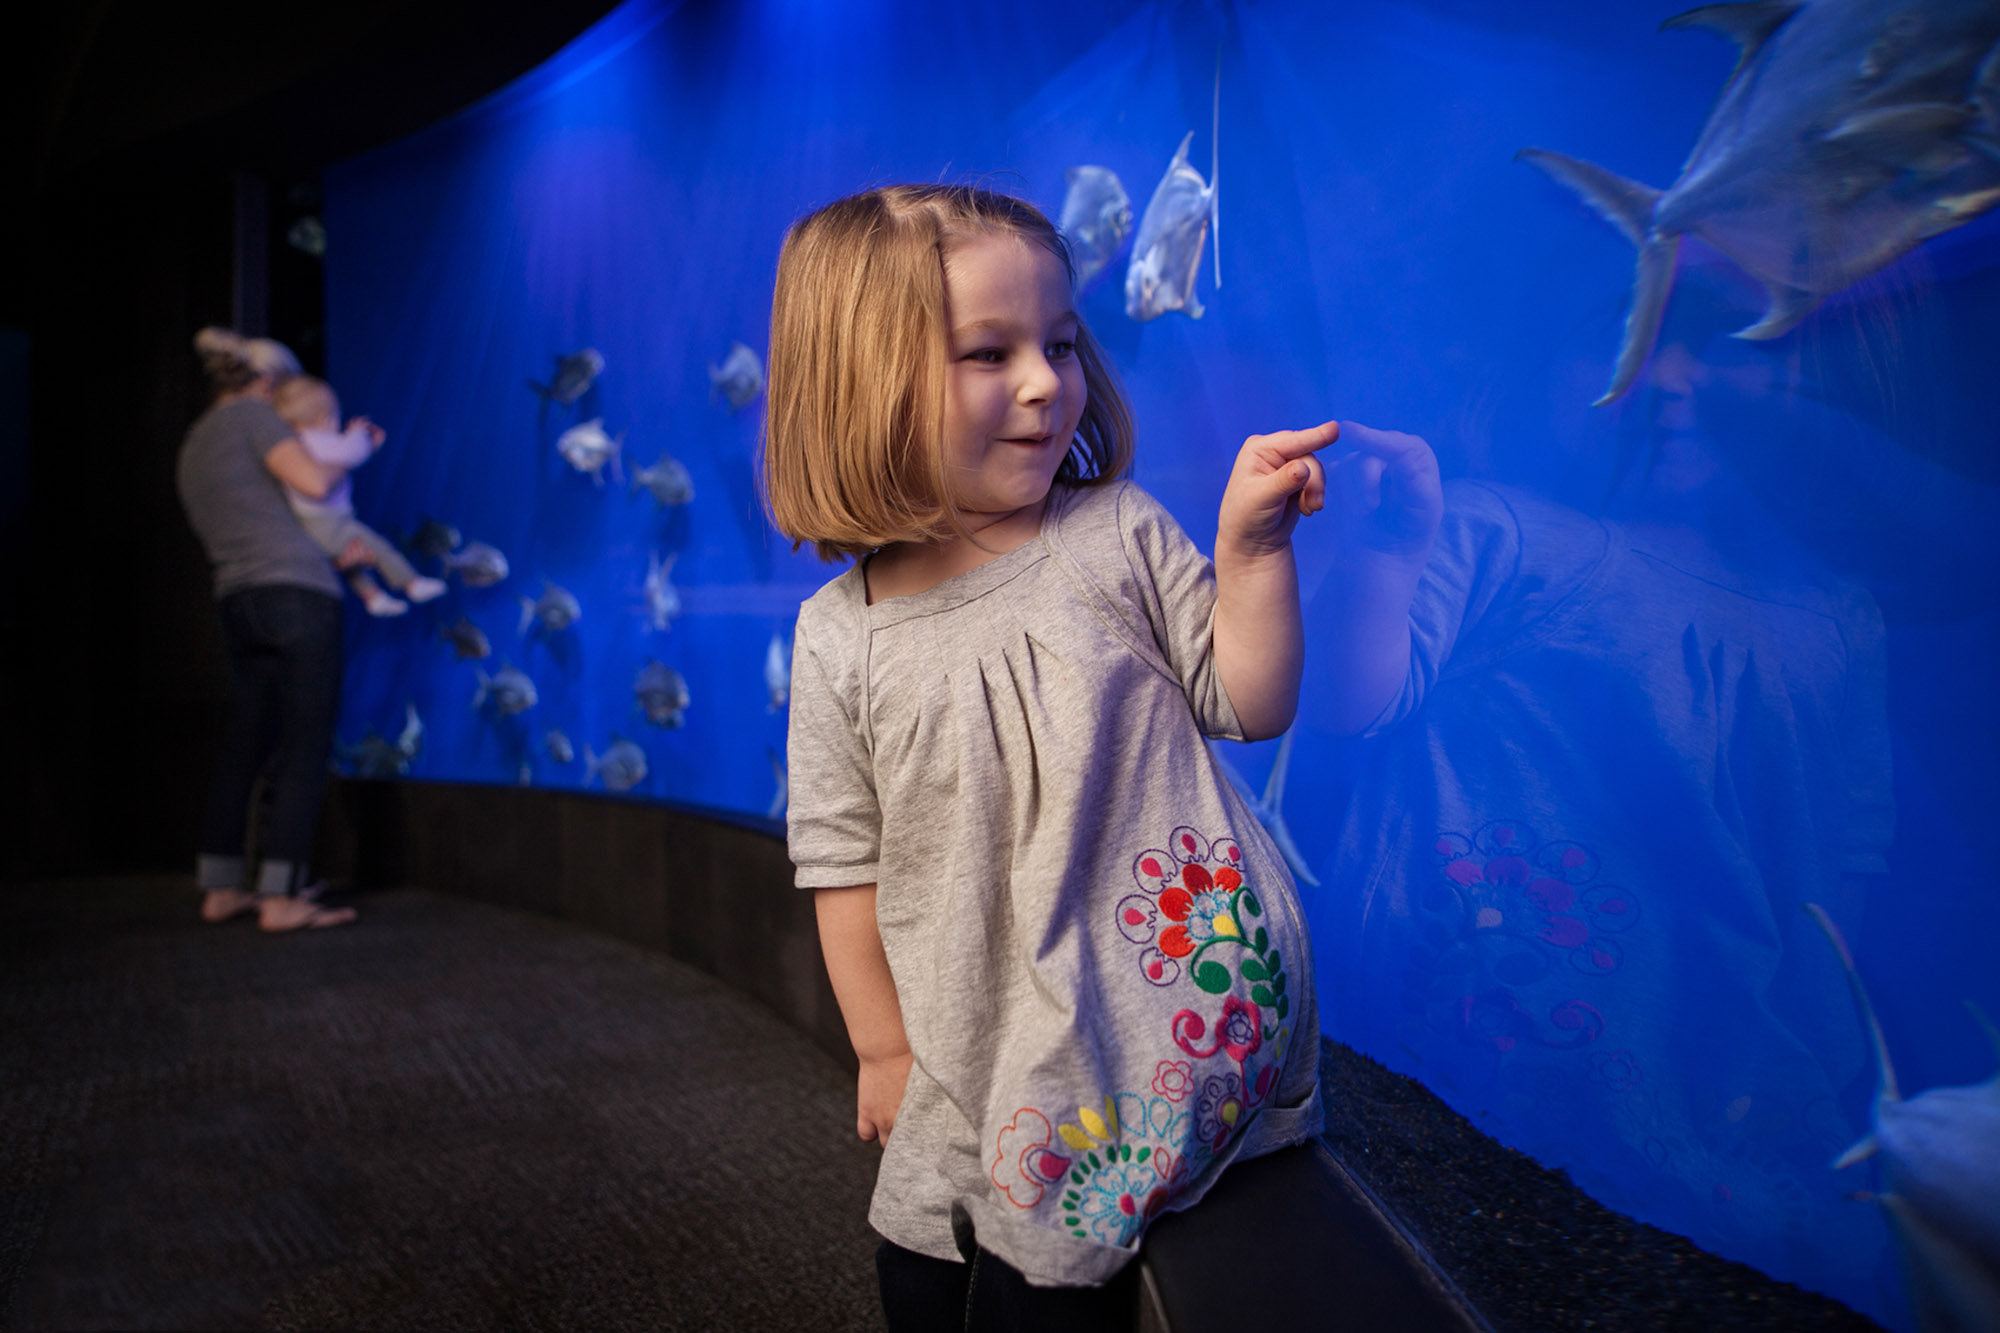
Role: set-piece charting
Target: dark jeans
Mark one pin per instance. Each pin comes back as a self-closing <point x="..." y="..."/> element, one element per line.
<point x="284" y="692"/>
<point x="923" y="1295"/>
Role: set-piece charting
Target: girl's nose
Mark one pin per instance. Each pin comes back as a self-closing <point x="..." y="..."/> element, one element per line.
<point x="1039" y="381"/>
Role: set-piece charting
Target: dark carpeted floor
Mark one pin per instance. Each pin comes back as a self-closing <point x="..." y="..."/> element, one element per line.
<point x="450" y="1115"/>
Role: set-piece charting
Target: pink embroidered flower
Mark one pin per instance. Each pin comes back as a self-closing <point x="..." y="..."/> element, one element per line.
<point x="1240" y="1028"/>
<point x="1174" y="1080"/>
<point x="1023" y="1163"/>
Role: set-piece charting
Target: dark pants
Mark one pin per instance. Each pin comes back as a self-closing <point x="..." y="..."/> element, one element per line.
<point x="284" y="692"/>
<point x="922" y="1295"/>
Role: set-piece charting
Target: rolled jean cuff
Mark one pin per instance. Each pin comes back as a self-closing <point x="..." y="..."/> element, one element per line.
<point x="217" y="872"/>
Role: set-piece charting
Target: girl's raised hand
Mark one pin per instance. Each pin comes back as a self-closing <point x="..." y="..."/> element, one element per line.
<point x="1275" y="480"/>
<point x="1386" y="492"/>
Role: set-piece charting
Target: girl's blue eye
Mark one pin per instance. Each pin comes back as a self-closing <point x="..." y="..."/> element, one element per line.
<point x="1062" y="351"/>
<point x="989" y="355"/>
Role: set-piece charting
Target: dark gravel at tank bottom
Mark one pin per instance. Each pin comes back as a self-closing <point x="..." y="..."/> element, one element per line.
<point x="1529" y="1250"/>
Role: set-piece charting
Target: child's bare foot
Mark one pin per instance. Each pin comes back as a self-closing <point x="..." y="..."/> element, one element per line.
<point x="423" y="588"/>
<point x="379" y="603"/>
<point x="278" y="915"/>
<point x="218" y="905"/>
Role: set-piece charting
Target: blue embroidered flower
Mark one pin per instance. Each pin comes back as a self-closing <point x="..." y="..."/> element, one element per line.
<point x="1208" y="916"/>
<point x="1117" y="1200"/>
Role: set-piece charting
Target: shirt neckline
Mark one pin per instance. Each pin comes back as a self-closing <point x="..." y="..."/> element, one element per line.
<point x="974" y="583"/>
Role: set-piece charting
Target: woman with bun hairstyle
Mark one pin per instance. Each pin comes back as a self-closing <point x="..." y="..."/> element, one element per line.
<point x="281" y="626"/>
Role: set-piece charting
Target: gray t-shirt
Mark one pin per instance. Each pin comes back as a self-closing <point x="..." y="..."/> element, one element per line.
<point x="1101" y="961"/>
<point x="238" y="509"/>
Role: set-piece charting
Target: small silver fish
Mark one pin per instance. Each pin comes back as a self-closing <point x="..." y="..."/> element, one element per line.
<point x="479" y="565"/>
<point x="782" y="796"/>
<point x="375" y="757"/>
<point x="509" y="688"/>
<point x="435" y="540"/>
<point x="777" y="673"/>
<point x="557" y="609"/>
<point x="308" y="236"/>
<point x="667" y="479"/>
<point x="739" y="378"/>
<point x="466" y="638"/>
<point x="662" y="693"/>
<point x="587" y="449"/>
<point x="1940" y="1154"/>
<point x="622" y="766"/>
<point x="574" y="375"/>
<point x="663" y="599"/>
<point x="1096" y="218"/>
<point x="559" y="747"/>
<point x="1270" y="807"/>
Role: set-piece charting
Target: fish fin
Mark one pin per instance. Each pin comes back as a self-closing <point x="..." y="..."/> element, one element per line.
<point x="1215" y="175"/>
<point x="1861" y="1000"/>
<point x="527" y="615"/>
<point x="1859" y="1152"/>
<point x="1652" y="283"/>
<point x="1979" y="1017"/>
<point x="1788" y="306"/>
<point x="1919" y="136"/>
<point x="1749" y="25"/>
<point x="1957" y="209"/>
<point x="1180" y="154"/>
<point x="1274" y="784"/>
<point x="1625" y="204"/>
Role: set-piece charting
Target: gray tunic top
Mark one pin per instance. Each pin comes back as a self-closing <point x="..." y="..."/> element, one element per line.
<point x="1101" y="961"/>
<point x="238" y="509"/>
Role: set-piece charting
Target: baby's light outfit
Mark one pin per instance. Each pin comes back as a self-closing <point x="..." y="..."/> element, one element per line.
<point x="331" y="522"/>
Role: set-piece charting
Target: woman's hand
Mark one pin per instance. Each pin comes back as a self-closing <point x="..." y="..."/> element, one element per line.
<point x="882" y="1082"/>
<point x="1276" y="479"/>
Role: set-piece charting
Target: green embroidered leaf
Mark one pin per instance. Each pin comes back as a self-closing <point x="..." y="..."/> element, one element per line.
<point x="1250" y="903"/>
<point x="1071" y="1198"/>
<point x="1278" y="984"/>
<point x="1275" y="963"/>
<point x="1095" y="1165"/>
<point x="1284" y="1005"/>
<point x="1125" y="1151"/>
<point x="1262" y="941"/>
<point x="1212" y="977"/>
<point x="1076" y="1176"/>
<point x="1253" y="970"/>
<point x="1262" y="995"/>
<point x="1144" y="1153"/>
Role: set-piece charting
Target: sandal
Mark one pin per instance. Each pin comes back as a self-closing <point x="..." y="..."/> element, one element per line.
<point x="219" y="905"/>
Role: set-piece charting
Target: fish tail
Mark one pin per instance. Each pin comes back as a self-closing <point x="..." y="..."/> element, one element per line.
<point x="1625" y="204"/>
<point x="1652" y="283"/>
<point x="1874" y="1026"/>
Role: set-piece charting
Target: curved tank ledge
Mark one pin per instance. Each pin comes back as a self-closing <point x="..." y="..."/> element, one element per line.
<point x="1402" y="1216"/>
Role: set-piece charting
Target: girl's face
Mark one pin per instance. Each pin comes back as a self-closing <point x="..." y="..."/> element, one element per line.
<point x="1014" y="387"/>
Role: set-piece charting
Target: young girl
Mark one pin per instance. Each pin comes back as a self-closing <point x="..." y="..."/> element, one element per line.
<point x="1071" y="962"/>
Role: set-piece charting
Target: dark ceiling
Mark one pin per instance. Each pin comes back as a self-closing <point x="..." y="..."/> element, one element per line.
<point x="117" y="93"/>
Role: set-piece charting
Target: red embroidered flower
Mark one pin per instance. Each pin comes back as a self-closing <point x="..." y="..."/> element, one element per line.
<point x="1174" y="1079"/>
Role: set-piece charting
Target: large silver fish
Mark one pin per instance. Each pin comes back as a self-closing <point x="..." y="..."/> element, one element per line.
<point x="1096" y="218"/>
<point x="479" y="565"/>
<point x="662" y="693"/>
<point x="557" y="609"/>
<point x="587" y="448"/>
<point x="509" y="688"/>
<point x="1166" y="256"/>
<point x="1940" y="1156"/>
<point x="739" y="378"/>
<point x="622" y="766"/>
<point x="1850" y="131"/>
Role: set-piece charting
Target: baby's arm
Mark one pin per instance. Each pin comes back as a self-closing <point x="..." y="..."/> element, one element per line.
<point x="1389" y="499"/>
<point x="343" y="449"/>
<point x="852" y="945"/>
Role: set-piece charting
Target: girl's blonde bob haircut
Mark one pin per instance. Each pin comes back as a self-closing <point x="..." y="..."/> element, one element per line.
<point x="855" y="403"/>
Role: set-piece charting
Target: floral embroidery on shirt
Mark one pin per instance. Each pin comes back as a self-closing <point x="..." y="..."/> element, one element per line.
<point x="1197" y="887"/>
